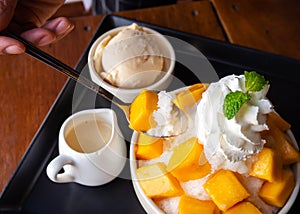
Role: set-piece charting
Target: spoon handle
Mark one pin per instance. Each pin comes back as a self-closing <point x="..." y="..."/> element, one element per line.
<point x="65" y="69"/>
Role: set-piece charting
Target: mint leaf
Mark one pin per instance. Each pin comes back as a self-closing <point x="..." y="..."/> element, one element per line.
<point x="254" y="81"/>
<point x="233" y="102"/>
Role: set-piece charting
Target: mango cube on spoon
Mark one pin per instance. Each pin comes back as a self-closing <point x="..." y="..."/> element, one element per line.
<point x="141" y="110"/>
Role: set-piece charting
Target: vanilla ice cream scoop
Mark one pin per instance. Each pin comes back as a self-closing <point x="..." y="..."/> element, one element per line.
<point x="129" y="59"/>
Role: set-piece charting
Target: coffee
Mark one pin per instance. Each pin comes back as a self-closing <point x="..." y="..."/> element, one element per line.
<point x="88" y="136"/>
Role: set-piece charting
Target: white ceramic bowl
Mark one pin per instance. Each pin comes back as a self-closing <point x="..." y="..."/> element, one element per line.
<point x="148" y="205"/>
<point x="151" y="208"/>
<point x="125" y="94"/>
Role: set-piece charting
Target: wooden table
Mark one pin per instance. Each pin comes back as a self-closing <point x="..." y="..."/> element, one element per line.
<point x="28" y="88"/>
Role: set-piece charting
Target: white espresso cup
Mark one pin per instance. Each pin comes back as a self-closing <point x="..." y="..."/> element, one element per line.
<point x="92" y="150"/>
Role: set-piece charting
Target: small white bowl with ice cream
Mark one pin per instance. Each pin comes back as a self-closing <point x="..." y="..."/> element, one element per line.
<point x="126" y="59"/>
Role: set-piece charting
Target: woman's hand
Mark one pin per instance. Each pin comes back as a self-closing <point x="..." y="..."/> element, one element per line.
<point x="30" y="20"/>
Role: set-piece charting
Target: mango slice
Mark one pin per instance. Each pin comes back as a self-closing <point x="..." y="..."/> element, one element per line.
<point x="141" y="110"/>
<point x="277" y="120"/>
<point x="225" y="189"/>
<point x="280" y="142"/>
<point x="190" y="96"/>
<point x="244" y="207"/>
<point x="189" y="205"/>
<point x="148" y="147"/>
<point x="268" y="165"/>
<point x="184" y="162"/>
<point x="277" y="193"/>
<point x="156" y="182"/>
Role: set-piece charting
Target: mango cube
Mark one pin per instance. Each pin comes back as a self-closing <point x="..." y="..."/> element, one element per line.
<point x="280" y="142"/>
<point x="157" y="182"/>
<point x="277" y="193"/>
<point x="244" y="207"/>
<point x="276" y="119"/>
<point x="268" y="165"/>
<point x="190" y="96"/>
<point x="184" y="162"/>
<point x="189" y="205"/>
<point x="148" y="147"/>
<point x="141" y="110"/>
<point x="225" y="189"/>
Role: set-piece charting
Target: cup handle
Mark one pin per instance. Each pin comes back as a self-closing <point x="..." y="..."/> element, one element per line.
<point x="56" y="165"/>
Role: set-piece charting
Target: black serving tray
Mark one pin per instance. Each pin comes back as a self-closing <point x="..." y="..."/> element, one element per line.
<point x="29" y="189"/>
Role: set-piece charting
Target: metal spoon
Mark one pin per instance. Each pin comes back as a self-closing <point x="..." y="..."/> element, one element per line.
<point x="75" y="75"/>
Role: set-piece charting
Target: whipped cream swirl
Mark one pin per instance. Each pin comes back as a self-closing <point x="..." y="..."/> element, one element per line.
<point x="239" y="137"/>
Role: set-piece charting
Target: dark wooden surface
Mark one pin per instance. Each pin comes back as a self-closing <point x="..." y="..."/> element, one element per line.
<point x="269" y="25"/>
<point x="28" y="88"/>
<point x="194" y="17"/>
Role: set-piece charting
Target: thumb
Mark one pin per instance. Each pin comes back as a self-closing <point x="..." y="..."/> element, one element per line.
<point x="7" y="8"/>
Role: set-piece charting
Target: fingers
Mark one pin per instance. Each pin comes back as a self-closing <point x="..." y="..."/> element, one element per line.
<point x="61" y="26"/>
<point x="29" y="17"/>
<point x="49" y="33"/>
<point x="10" y="46"/>
<point x="39" y="36"/>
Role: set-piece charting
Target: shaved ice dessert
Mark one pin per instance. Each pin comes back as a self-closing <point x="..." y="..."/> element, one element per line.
<point x="238" y="156"/>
